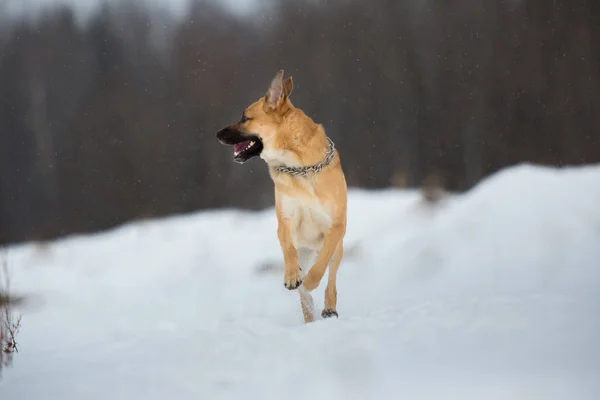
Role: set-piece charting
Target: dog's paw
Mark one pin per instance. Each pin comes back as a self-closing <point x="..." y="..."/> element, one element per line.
<point x="292" y="279"/>
<point x="328" y="313"/>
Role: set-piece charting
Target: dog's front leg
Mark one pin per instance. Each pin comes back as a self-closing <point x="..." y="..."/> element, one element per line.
<point x="292" y="278"/>
<point x="330" y="244"/>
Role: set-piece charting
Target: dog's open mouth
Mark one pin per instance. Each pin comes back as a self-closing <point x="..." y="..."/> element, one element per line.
<point x="245" y="146"/>
<point x="247" y="149"/>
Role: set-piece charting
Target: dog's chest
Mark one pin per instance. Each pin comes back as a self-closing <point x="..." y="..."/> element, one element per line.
<point x="310" y="220"/>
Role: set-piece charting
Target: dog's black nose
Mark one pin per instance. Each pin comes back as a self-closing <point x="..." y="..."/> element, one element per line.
<point x="229" y="136"/>
<point x="222" y="134"/>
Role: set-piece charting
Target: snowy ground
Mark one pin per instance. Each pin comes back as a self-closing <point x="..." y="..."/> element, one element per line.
<point x="494" y="295"/>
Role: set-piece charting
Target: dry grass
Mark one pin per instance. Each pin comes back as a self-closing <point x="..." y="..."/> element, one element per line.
<point x="9" y="327"/>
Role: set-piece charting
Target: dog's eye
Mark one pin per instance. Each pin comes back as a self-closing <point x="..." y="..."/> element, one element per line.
<point x="244" y="118"/>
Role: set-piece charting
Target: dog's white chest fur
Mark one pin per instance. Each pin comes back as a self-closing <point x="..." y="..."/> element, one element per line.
<point x="310" y="220"/>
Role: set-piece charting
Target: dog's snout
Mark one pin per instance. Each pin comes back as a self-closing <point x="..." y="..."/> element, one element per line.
<point x="229" y="135"/>
<point x="223" y="134"/>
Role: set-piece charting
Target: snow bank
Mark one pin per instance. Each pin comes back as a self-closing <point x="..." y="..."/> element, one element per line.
<point x="495" y="294"/>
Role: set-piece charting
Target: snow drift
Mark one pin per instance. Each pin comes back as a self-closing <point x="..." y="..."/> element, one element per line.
<point x="494" y="294"/>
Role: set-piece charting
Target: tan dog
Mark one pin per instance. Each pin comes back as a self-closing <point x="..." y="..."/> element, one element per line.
<point x="310" y="188"/>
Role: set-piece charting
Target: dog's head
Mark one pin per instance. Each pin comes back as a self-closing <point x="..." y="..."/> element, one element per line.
<point x="257" y="130"/>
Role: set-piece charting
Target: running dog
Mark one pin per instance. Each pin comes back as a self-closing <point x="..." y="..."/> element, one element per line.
<point x="310" y="188"/>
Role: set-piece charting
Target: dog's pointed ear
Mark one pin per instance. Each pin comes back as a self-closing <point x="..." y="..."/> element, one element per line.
<point x="276" y="93"/>
<point x="288" y="86"/>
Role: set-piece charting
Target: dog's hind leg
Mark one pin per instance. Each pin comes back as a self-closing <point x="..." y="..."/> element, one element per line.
<point x="306" y="258"/>
<point x="331" y="290"/>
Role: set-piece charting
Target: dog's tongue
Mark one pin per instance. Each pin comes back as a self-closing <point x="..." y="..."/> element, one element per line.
<point x="238" y="148"/>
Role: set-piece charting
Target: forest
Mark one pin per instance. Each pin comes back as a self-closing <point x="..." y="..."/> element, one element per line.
<point x="114" y="119"/>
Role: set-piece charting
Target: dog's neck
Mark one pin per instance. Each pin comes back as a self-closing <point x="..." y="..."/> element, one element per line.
<point x="310" y="170"/>
<point x="302" y="150"/>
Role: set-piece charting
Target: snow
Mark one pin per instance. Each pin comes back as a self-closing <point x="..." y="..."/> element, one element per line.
<point x="493" y="294"/>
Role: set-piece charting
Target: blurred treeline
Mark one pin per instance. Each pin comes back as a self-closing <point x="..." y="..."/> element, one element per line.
<point x="115" y="119"/>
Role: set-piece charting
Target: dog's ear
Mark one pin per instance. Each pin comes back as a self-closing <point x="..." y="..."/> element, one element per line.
<point x="288" y="86"/>
<point x="276" y="93"/>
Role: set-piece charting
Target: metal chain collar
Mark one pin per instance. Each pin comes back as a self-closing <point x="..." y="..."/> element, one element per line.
<point x="313" y="169"/>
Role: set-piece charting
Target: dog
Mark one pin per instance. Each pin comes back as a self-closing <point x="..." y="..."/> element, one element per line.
<point x="310" y="189"/>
